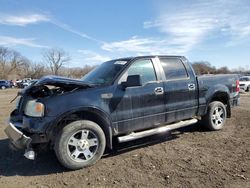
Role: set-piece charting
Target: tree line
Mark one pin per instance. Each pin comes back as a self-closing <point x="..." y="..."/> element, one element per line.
<point x="204" y="67"/>
<point x="14" y="65"/>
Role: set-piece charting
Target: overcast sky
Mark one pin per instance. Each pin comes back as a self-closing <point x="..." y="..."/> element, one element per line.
<point x="94" y="31"/>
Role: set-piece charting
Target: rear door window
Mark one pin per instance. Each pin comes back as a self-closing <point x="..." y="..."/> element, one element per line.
<point x="173" y="68"/>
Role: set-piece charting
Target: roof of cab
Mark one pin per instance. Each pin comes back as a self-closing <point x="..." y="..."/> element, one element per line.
<point x="150" y="56"/>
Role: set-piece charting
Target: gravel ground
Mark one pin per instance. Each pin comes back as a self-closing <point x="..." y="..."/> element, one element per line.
<point x="188" y="157"/>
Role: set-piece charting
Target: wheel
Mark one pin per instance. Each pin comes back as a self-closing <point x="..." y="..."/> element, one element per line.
<point x="80" y="144"/>
<point x="248" y="89"/>
<point x="3" y="87"/>
<point x="216" y="116"/>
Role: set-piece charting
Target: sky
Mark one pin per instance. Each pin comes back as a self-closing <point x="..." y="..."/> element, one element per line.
<point x="91" y="32"/>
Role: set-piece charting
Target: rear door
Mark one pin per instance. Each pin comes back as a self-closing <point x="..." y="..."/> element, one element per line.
<point x="146" y="101"/>
<point x="180" y="89"/>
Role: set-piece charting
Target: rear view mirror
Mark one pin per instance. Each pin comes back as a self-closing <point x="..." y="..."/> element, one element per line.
<point x="132" y="81"/>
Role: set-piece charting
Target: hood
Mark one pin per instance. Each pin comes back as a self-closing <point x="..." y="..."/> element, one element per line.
<point x="62" y="85"/>
<point x="60" y="81"/>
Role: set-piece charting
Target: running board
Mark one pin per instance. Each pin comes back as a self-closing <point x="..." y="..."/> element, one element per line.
<point x="137" y="135"/>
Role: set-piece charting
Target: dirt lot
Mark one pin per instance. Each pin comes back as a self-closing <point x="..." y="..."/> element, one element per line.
<point x="189" y="157"/>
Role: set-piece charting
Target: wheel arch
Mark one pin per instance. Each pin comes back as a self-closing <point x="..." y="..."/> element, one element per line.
<point x="84" y="113"/>
<point x="221" y="96"/>
<point x="248" y="87"/>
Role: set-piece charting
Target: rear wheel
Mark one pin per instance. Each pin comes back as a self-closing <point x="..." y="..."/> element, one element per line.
<point x="216" y="115"/>
<point x="80" y="144"/>
<point x="248" y="89"/>
<point x="3" y="87"/>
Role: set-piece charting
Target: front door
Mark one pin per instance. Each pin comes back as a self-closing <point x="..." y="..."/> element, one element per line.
<point x="141" y="107"/>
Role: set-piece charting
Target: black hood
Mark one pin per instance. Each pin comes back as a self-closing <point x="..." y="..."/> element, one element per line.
<point x="66" y="84"/>
<point x="60" y="81"/>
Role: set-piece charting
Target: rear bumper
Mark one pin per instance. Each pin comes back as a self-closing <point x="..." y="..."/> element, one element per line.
<point x="17" y="138"/>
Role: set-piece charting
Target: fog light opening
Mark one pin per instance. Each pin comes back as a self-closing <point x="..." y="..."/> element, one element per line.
<point x="30" y="154"/>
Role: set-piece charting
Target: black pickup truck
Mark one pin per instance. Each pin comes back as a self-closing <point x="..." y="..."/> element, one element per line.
<point x="123" y="99"/>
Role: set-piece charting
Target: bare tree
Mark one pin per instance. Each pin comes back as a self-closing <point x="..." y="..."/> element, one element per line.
<point x="78" y="72"/>
<point x="10" y="62"/>
<point x="4" y="53"/>
<point x="55" y="58"/>
<point x="34" y="70"/>
<point x="203" y="67"/>
<point x="39" y="70"/>
<point x="16" y="61"/>
<point x="223" y="70"/>
<point x="242" y="70"/>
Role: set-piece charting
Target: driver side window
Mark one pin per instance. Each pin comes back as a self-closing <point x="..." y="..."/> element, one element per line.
<point x="144" y="68"/>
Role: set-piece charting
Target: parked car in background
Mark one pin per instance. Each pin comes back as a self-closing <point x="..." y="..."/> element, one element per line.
<point x="28" y="83"/>
<point x="24" y="83"/>
<point x="11" y="84"/>
<point x="4" y="84"/>
<point x="19" y="83"/>
<point x="245" y="83"/>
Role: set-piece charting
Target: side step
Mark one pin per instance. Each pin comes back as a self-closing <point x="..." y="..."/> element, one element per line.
<point x="137" y="135"/>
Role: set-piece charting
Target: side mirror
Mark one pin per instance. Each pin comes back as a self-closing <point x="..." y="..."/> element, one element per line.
<point x="132" y="81"/>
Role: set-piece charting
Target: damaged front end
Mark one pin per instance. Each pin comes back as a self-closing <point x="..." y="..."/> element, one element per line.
<point x="18" y="140"/>
<point x="28" y="121"/>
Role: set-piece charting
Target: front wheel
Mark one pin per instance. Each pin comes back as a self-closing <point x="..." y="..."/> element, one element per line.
<point x="216" y="116"/>
<point x="3" y="87"/>
<point x="80" y="144"/>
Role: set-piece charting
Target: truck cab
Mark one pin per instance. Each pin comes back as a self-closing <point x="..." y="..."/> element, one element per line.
<point x="166" y="92"/>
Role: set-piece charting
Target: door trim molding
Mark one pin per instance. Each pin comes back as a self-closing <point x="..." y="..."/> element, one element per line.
<point x="195" y="107"/>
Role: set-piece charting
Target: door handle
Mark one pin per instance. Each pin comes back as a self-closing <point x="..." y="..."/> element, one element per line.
<point x="159" y="90"/>
<point x="191" y="87"/>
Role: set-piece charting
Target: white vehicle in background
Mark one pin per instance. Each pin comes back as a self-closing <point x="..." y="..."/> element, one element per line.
<point x="245" y="83"/>
<point x="27" y="83"/>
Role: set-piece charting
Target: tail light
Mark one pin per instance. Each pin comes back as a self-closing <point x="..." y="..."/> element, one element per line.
<point x="237" y="85"/>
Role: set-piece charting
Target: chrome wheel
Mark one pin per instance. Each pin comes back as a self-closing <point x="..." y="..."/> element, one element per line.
<point x="218" y="116"/>
<point x="82" y="145"/>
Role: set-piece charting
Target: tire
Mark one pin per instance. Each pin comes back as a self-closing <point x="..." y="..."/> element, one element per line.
<point x="3" y="87"/>
<point x="248" y="89"/>
<point x="216" y="116"/>
<point x="80" y="144"/>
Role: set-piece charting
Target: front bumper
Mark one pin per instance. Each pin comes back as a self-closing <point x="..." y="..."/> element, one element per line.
<point x="17" y="138"/>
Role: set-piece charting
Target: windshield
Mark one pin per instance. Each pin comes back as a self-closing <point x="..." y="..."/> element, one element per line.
<point x="244" y="79"/>
<point x="105" y="73"/>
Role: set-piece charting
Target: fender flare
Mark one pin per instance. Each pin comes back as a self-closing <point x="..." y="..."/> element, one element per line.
<point x="216" y="91"/>
<point x="106" y="124"/>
